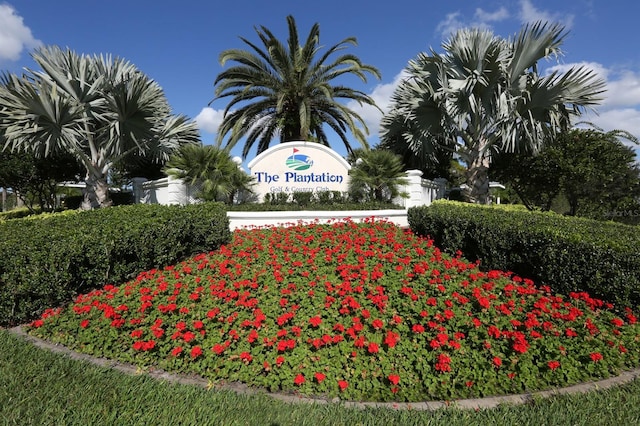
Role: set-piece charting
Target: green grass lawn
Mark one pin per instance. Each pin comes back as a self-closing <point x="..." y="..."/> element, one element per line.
<point x="39" y="387"/>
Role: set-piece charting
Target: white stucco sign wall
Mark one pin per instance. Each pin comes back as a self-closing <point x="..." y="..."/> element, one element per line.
<point x="299" y="166"/>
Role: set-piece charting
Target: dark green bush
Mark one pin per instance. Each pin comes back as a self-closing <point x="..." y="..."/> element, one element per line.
<point x="340" y="206"/>
<point x="303" y="198"/>
<point x="566" y="253"/>
<point x="45" y="263"/>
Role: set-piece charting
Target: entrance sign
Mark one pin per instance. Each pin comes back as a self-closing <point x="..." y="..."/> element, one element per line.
<point x="299" y="166"/>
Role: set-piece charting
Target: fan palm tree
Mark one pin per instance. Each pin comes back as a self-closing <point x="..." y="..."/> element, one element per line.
<point x="483" y="94"/>
<point x="211" y="170"/>
<point x="287" y="90"/>
<point x="97" y="108"/>
<point x="376" y="175"/>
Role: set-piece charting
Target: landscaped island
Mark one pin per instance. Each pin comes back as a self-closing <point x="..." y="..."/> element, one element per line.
<point x="363" y="311"/>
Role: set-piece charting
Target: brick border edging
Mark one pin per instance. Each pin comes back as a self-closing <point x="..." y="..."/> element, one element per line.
<point x="475" y="404"/>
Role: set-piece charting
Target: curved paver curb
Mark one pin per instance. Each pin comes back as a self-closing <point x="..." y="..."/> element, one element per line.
<point x="479" y="403"/>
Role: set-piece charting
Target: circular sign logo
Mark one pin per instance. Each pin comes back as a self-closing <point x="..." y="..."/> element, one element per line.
<point x="299" y="161"/>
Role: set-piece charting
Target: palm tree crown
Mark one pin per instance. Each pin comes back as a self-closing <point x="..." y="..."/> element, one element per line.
<point x="211" y="170"/>
<point x="98" y="108"/>
<point x="485" y="93"/>
<point x="287" y="90"/>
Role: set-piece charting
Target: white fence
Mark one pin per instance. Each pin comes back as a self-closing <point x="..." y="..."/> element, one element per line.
<point x="174" y="191"/>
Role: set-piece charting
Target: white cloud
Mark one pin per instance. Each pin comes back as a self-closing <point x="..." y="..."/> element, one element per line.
<point x="485" y="17"/>
<point x="620" y="108"/>
<point x="481" y="19"/>
<point x="381" y="94"/>
<point x="623" y="89"/>
<point x="209" y="119"/>
<point x="529" y="13"/>
<point x="14" y="35"/>
<point x="627" y="119"/>
<point x="450" y="25"/>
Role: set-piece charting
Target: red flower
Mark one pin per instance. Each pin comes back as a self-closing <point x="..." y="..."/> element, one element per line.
<point x="391" y="339"/>
<point x="246" y="357"/>
<point x="299" y="379"/>
<point x="279" y="361"/>
<point x="176" y="351"/>
<point x="315" y="321"/>
<point x="394" y="379"/>
<point x="373" y="348"/>
<point x="84" y="323"/>
<point x="417" y="328"/>
<point x="377" y="324"/>
<point x="553" y="364"/>
<point x="319" y="377"/>
<point x="343" y="384"/>
<point x="497" y="361"/>
<point x="196" y="351"/>
<point x="595" y="356"/>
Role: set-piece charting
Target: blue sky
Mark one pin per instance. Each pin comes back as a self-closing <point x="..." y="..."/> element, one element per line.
<point x="178" y="43"/>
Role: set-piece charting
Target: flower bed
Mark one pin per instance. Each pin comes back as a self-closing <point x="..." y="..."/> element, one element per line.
<point x="364" y="311"/>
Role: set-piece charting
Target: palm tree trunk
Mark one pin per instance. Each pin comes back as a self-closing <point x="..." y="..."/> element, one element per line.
<point x="478" y="175"/>
<point x="96" y="193"/>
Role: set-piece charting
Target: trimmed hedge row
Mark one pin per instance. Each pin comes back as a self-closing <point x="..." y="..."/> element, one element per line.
<point x="45" y="263"/>
<point x="566" y="253"/>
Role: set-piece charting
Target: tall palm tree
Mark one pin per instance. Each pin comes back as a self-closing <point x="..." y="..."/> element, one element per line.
<point x="288" y="90"/>
<point x="484" y="93"/>
<point x="98" y="108"/>
<point x="211" y="170"/>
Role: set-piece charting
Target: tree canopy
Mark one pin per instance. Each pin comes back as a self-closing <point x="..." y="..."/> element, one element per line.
<point x="99" y="109"/>
<point x="592" y="171"/>
<point x="290" y="90"/>
<point x="483" y="95"/>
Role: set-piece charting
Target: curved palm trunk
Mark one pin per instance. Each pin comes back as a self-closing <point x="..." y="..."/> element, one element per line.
<point x="478" y="175"/>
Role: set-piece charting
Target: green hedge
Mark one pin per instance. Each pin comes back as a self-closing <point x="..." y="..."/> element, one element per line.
<point x="266" y="207"/>
<point x="45" y="263"/>
<point x="565" y="253"/>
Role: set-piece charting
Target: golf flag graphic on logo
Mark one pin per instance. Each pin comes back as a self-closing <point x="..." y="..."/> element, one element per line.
<point x="298" y="161"/>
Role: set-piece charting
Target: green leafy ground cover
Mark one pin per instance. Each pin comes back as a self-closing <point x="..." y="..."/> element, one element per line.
<point x="360" y="311"/>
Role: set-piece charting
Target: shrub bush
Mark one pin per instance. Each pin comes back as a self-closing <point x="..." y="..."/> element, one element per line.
<point x="47" y="262"/>
<point x="566" y="253"/>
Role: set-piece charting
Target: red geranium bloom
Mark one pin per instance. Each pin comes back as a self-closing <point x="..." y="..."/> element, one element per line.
<point x="315" y="321"/>
<point x="553" y="364"/>
<point x="394" y="379"/>
<point x="196" y="351"/>
<point x="320" y="377"/>
<point x="595" y="356"/>
<point x="391" y="339"/>
<point x="373" y="348"/>
<point x="497" y="361"/>
<point x="299" y="379"/>
<point x="176" y="351"/>
<point x="343" y="384"/>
